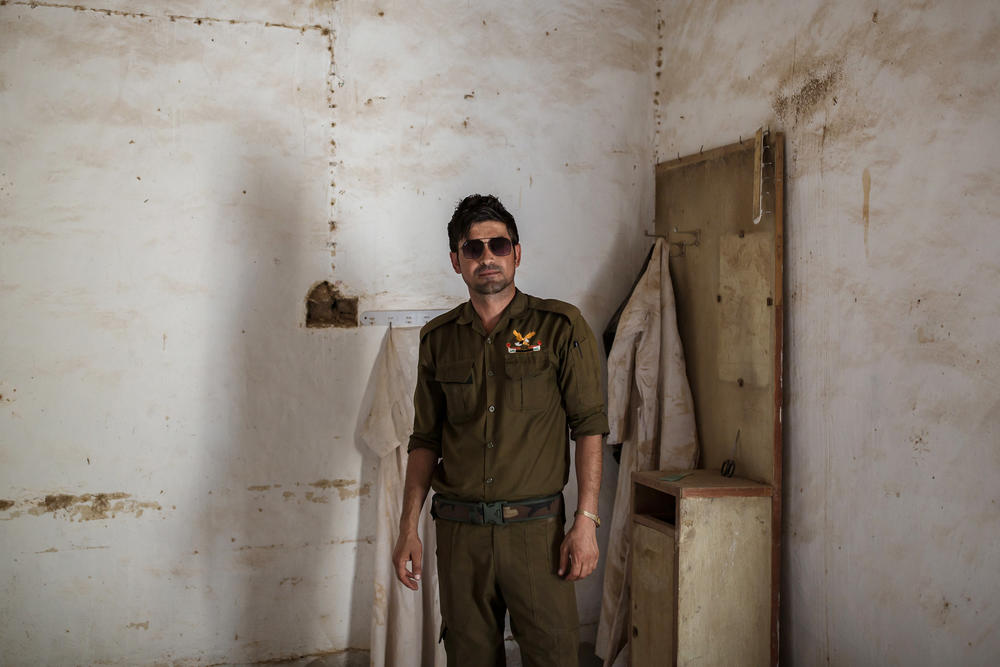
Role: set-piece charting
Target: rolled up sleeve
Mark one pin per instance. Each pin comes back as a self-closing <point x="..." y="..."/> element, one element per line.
<point x="428" y="406"/>
<point x="580" y="383"/>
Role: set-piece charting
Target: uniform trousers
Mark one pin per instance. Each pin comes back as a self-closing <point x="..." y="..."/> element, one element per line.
<point x="486" y="570"/>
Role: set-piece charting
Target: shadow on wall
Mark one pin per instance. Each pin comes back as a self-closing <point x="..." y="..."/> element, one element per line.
<point x="261" y="567"/>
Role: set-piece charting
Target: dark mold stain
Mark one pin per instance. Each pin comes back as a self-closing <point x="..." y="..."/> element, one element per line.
<point x="802" y="102"/>
<point x="6" y="505"/>
<point x="327" y="307"/>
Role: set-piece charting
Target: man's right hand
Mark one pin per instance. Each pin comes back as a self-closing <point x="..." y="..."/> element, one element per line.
<point x="408" y="550"/>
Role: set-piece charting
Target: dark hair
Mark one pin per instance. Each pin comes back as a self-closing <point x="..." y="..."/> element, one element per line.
<point x="478" y="208"/>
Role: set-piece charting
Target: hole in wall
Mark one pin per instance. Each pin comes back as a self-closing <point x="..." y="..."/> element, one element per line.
<point x="327" y="307"/>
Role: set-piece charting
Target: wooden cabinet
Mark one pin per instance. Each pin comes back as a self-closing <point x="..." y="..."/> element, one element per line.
<point x="706" y="555"/>
<point x="701" y="563"/>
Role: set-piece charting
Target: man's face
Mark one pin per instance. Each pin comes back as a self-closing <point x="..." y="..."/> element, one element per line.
<point x="489" y="274"/>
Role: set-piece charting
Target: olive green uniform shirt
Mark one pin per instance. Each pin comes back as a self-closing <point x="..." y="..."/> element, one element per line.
<point x="495" y="406"/>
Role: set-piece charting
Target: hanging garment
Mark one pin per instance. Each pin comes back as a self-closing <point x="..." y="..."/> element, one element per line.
<point x="405" y="623"/>
<point x="612" y="328"/>
<point x="651" y="412"/>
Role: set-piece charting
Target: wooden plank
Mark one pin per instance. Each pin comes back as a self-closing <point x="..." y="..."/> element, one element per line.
<point x="654" y="597"/>
<point x="700" y="483"/>
<point x="702" y="156"/>
<point x="758" y="177"/>
<point x="778" y="202"/>
<point x="733" y="343"/>
<point x="726" y="296"/>
<point x="724" y="584"/>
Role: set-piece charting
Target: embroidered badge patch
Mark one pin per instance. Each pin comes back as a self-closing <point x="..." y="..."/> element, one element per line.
<point x="524" y="343"/>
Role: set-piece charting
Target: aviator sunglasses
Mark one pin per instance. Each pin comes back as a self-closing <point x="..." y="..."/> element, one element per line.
<point x="500" y="246"/>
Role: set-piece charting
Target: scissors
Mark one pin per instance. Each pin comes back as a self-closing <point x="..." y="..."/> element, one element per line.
<point x="729" y="465"/>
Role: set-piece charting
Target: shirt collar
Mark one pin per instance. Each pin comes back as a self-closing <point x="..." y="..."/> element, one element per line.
<point x="515" y="308"/>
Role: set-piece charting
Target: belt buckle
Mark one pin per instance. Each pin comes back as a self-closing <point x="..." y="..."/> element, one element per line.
<point x="492" y="513"/>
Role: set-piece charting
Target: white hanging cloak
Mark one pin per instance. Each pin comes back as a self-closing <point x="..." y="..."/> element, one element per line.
<point x="405" y="623"/>
<point x="651" y="413"/>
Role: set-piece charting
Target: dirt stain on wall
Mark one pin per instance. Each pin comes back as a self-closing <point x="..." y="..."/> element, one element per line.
<point x="86" y="507"/>
<point x="866" y="185"/>
<point x="313" y="498"/>
<point x="344" y="487"/>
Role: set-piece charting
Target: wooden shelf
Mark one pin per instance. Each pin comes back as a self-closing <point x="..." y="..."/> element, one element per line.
<point x="701" y="484"/>
<point x="655" y="523"/>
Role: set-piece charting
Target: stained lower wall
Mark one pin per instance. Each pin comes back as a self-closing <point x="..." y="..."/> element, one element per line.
<point x="892" y="422"/>
<point x="180" y="476"/>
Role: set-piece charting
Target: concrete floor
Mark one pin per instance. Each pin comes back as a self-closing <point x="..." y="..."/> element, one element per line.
<point x="360" y="658"/>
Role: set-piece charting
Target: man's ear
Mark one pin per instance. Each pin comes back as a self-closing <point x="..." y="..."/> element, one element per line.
<point x="454" y="262"/>
<point x="517" y="255"/>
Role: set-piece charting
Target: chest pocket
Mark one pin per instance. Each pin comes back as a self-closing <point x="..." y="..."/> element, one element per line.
<point x="530" y="381"/>
<point x="458" y="382"/>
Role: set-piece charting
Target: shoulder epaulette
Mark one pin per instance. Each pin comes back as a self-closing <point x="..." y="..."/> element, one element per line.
<point x="567" y="310"/>
<point x="441" y="319"/>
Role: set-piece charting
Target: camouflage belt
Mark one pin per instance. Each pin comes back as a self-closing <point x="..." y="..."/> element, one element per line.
<point x="498" y="512"/>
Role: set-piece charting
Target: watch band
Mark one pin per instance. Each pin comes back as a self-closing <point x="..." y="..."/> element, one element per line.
<point x="593" y="517"/>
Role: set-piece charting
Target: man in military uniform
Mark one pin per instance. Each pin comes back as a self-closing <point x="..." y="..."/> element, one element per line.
<point x="501" y="379"/>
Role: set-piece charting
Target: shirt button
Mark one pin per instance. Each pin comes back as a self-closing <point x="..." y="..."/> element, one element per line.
<point x="493" y="408"/>
<point x="490" y="445"/>
<point x="489" y="480"/>
<point x="489" y="341"/>
<point x="490" y="373"/>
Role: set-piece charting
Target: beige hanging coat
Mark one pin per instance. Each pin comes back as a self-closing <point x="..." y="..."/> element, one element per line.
<point x="405" y="623"/>
<point x="651" y="413"/>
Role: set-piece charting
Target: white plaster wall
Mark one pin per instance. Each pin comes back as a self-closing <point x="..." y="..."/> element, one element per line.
<point x="892" y="421"/>
<point x="178" y="465"/>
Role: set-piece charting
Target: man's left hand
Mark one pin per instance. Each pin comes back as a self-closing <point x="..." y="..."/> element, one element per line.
<point x="578" y="553"/>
